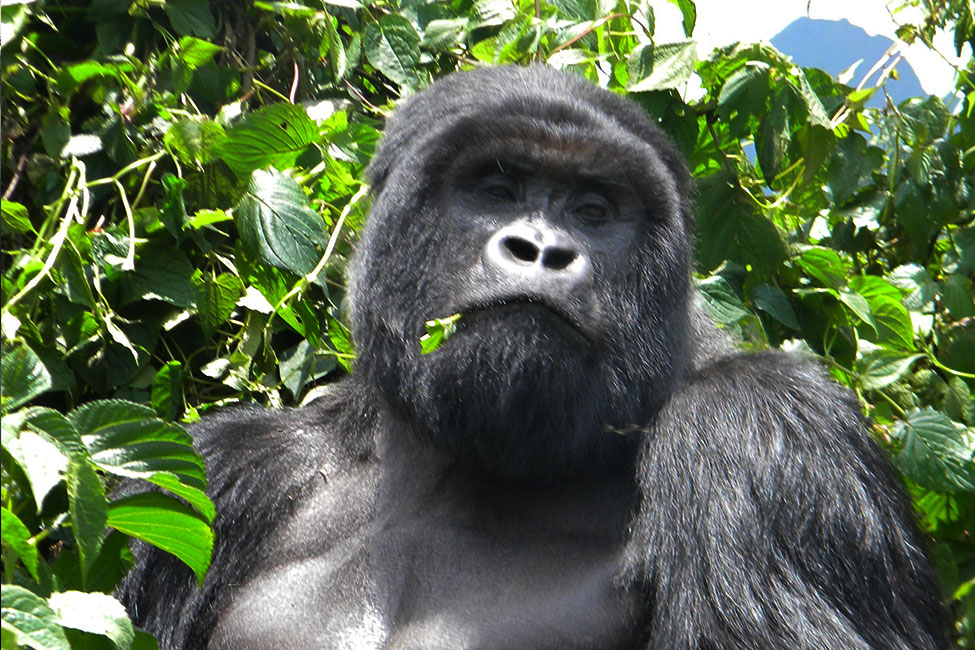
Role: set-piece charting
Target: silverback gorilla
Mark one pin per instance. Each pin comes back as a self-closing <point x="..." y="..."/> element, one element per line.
<point x="583" y="464"/>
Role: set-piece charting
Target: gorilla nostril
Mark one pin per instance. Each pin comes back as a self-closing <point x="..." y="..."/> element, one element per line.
<point x="521" y="249"/>
<point x="558" y="259"/>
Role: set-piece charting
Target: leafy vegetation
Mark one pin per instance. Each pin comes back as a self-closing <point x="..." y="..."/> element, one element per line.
<point x="181" y="194"/>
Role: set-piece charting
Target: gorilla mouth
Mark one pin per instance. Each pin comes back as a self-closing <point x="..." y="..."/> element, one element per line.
<point x="531" y="304"/>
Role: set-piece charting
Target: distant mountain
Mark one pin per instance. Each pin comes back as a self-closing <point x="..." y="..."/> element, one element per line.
<point x="835" y="45"/>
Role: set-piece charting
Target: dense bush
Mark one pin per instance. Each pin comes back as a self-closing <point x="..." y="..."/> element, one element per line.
<point x="181" y="194"/>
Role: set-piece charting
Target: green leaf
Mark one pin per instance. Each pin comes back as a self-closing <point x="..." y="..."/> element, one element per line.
<point x="393" y="47"/>
<point x="167" y="390"/>
<point x="858" y="305"/>
<point x="277" y="225"/>
<point x="22" y="377"/>
<point x="216" y="298"/>
<point x="673" y="64"/>
<point x="88" y="507"/>
<point x="43" y="462"/>
<point x="881" y="368"/>
<point x="936" y="452"/>
<point x="56" y="426"/>
<point x="894" y="325"/>
<point x="917" y="282"/>
<point x="444" y="34"/>
<point x="15" y="216"/>
<point x="194" y="52"/>
<point x="167" y="524"/>
<point x="191" y="17"/>
<point x="956" y="294"/>
<point x="721" y="302"/>
<point x="164" y="273"/>
<point x="31" y="620"/>
<point x="825" y="265"/>
<point x="773" y="137"/>
<point x="730" y="229"/>
<point x="128" y="440"/>
<point x="438" y="331"/>
<point x="772" y="301"/>
<point x="274" y="135"/>
<point x="194" y="140"/>
<point x="333" y="50"/>
<point x="16" y="536"/>
<point x="196" y="498"/>
<point x="94" y="613"/>
<point x="688" y="13"/>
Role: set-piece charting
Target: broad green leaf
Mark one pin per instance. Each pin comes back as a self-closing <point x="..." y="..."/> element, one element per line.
<point x="56" y="426"/>
<point x="881" y="368"/>
<point x="936" y="452"/>
<point x="31" y="620"/>
<point x="194" y="52"/>
<point x="772" y="301"/>
<point x="817" y="113"/>
<point x="272" y="136"/>
<point x="730" y="229"/>
<point x="673" y="64"/>
<point x="302" y="364"/>
<point x="163" y="273"/>
<point x="721" y="302"/>
<point x="15" y="216"/>
<point x="16" y="535"/>
<point x="393" y="47"/>
<point x="128" y="440"/>
<point x="277" y="225"/>
<point x="167" y="524"/>
<point x="88" y="507"/>
<point x="825" y="265"/>
<point x="195" y="497"/>
<point x="876" y="290"/>
<point x="191" y="17"/>
<point x="956" y="294"/>
<point x="894" y="326"/>
<point x="438" y="331"/>
<point x="858" y="305"/>
<point x="216" y="298"/>
<point x="745" y="91"/>
<point x="22" y="376"/>
<point x="918" y="283"/>
<point x="76" y="286"/>
<point x="94" y="613"/>
<point x="443" y="34"/>
<point x="43" y="462"/>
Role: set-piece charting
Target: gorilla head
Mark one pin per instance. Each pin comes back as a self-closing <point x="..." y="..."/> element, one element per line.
<point x="553" y="216"/>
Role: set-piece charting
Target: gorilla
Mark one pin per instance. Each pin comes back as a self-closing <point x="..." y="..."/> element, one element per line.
<point x="584" y="463"/>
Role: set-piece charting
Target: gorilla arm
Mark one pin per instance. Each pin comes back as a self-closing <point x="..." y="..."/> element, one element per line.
<point x="769" y="519"/>
<point x="259" y="464"/>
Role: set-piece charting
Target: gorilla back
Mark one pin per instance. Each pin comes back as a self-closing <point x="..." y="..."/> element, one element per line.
<point x="583" y="464"/>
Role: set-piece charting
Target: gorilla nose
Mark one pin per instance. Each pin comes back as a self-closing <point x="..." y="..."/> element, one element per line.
<point x="536" y="252"/>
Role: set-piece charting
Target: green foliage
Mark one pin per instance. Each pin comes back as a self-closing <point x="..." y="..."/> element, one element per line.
<point x="182" y="192"/>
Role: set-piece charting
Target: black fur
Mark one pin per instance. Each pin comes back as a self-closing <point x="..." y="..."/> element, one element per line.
<point x="584" y="464"/>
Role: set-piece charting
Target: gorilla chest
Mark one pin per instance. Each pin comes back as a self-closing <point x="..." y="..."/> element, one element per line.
<point x="444" y="577"/>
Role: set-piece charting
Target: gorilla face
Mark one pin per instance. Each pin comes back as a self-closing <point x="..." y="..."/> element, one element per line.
<point x="552" y="216"/>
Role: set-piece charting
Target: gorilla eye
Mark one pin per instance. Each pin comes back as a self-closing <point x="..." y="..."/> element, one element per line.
<point x="499" y="187"/>
<point x="593" y="210"/>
